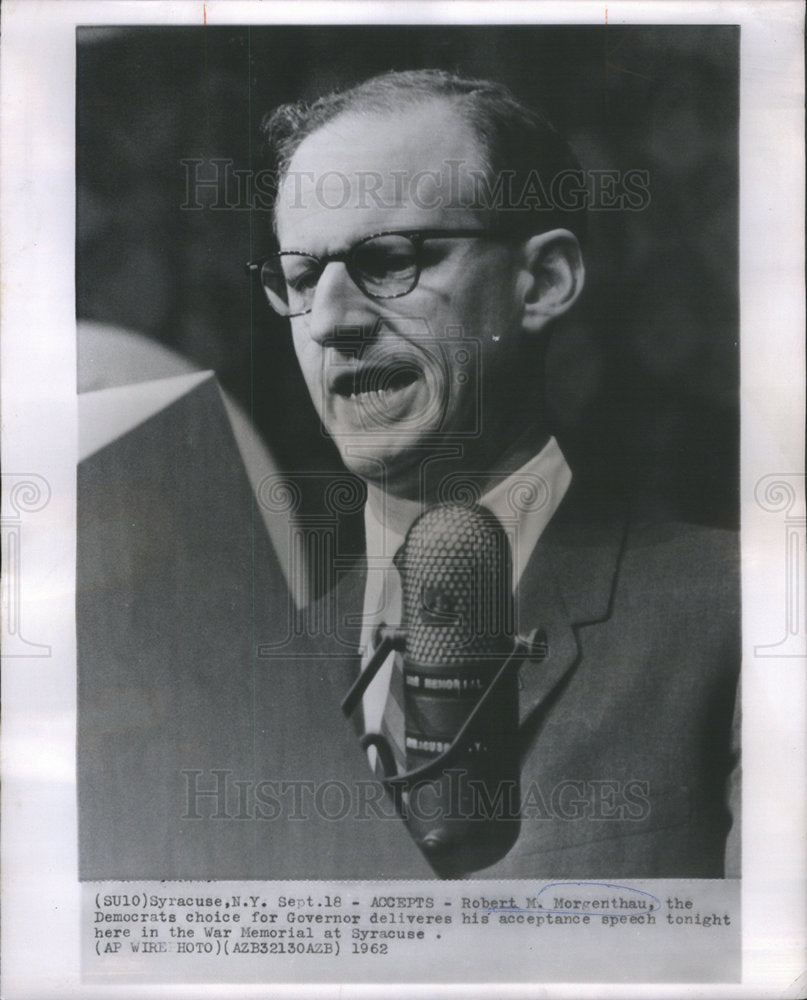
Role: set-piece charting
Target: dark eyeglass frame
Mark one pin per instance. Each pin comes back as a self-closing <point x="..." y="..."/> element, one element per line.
<point x="416" y="236"/>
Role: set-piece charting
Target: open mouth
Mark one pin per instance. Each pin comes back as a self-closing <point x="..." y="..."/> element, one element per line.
<point x="378" y="382"/>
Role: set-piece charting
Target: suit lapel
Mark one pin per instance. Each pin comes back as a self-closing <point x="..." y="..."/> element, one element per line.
<point x="342" y="609"/>
<point x="568" y="582"/>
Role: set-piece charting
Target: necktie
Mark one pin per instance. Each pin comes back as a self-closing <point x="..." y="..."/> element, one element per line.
<point x="392" y="722"/>
<point x="383" y="700"/>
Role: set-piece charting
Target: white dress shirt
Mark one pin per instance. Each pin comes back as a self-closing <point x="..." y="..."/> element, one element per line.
<point x="523" y="501"/>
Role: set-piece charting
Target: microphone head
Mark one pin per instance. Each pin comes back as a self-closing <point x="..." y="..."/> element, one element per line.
<point x="456" y="577"/>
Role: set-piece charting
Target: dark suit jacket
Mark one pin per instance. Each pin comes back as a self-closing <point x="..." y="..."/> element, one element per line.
<point x="204" y="709"/>
<point x="629" y="745"/>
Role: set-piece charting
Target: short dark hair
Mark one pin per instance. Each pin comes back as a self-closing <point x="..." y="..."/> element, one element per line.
<point x="518" y="142"/>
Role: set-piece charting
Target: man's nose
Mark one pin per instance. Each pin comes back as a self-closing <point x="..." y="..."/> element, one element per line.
<point x="338" y="306"/>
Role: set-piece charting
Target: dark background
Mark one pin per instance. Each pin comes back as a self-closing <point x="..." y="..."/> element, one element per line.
<point x="642" y="382"/>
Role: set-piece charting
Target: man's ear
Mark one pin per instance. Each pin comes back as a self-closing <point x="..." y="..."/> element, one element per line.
<point x="553" y="277"/>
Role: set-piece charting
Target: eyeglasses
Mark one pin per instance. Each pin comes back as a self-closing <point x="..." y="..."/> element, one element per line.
<point x="383" y="266"/>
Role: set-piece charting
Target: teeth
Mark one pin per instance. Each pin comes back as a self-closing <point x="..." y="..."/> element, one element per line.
<point x="379" y="394"/>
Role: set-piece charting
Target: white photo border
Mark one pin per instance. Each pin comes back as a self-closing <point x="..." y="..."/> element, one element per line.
<point x="41" y="892"/>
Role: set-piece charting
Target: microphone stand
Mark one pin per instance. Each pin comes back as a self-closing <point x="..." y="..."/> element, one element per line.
<point x="394" y="639"/>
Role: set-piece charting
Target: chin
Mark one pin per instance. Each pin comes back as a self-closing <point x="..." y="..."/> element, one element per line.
<point x="391" y="469"/>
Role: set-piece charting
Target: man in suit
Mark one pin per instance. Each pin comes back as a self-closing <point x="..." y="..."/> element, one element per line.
<point x="422" y="266"/>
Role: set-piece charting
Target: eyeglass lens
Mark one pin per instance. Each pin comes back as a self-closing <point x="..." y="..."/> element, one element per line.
<point x="382" y="266"/>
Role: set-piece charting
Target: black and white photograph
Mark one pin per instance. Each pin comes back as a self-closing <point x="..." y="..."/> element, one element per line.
<point x="472" y="402"/>
<point x="404" y="566"/>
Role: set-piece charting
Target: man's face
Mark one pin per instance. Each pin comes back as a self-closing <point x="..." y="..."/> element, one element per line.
<point x="395" y="381"/>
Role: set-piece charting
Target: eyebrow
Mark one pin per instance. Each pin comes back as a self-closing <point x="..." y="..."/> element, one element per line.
<point x="427" y="232"/>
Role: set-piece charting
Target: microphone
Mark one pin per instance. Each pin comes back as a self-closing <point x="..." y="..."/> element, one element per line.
<point x="460" y="657"/>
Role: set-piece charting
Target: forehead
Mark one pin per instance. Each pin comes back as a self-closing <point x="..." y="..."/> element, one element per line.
<point x="364" y="173"/>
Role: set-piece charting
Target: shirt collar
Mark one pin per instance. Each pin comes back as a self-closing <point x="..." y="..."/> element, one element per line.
<point x="524" y="501"/>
